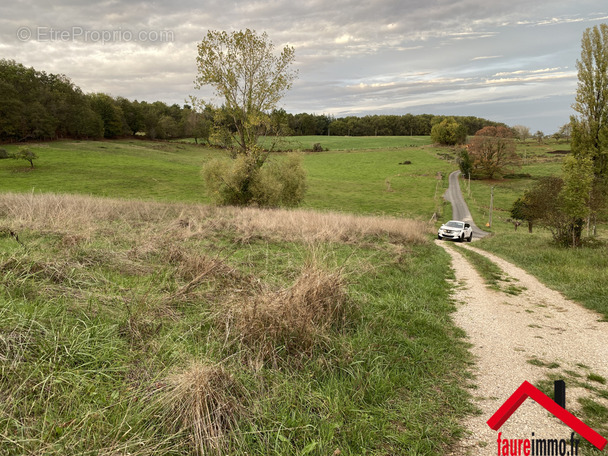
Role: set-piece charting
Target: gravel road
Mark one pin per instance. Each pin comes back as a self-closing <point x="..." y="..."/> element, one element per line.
<point x="530" y="336"/>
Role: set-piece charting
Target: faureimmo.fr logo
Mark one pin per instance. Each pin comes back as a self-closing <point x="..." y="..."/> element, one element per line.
<point x="526" y="446"/>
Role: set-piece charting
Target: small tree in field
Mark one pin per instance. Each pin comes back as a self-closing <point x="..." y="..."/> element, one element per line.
<point x="522" y="132"/>
<point x="521" y="210"/>
<point x="492" y="152"/>
<point x="27" y="155"/>
<point x="245" y="72"/>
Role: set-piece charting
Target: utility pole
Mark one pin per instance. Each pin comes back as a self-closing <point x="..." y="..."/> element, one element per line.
<point x="491" y="204"/>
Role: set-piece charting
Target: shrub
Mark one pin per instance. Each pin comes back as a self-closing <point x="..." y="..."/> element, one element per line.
<point x="465" y="163"/>
<point x="281" y="183"/>
<point x="241" y="181"/>
<point x="4" y="154"/>
<point x="228" y="180"/>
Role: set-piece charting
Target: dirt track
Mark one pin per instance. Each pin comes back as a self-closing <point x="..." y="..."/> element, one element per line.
<point x="508" y="332"/>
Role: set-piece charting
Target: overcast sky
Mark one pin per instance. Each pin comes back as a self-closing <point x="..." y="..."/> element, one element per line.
<point x="509" y="61"/>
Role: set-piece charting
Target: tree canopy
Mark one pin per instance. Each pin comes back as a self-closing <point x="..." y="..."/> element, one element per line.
<point x="590" y="127"/>
<point x="244" y="71"/>
<point x="586" y="170"/>
<point x="449" y="132"/>
<point x="492" y="152"/>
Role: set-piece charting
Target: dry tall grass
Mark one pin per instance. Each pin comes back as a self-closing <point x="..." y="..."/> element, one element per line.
<point x="83" y="214"/>
<point x="202" y="401"/>
<point x="291" y="321"/>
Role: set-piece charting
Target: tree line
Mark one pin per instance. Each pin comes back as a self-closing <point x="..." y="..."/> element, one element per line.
<point x="35" y="105"/>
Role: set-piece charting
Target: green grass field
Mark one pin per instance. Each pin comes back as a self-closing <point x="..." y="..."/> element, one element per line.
<point x="333" y="143"/>
<point x="366" y="178"/>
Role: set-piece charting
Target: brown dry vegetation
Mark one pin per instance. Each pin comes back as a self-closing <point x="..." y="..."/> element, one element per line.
<point x="82" y="215"/>
<point x="295" y="318"/>
<point x="202" y="401"/>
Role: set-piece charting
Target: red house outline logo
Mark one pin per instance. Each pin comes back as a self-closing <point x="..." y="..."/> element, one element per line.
<point x="527" y="390"/>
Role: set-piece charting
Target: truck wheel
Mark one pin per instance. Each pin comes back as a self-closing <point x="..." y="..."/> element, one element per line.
<point x="470" y="237"/>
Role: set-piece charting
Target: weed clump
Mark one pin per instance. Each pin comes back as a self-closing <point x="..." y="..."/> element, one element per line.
<point x="202" y="401"/>
<point x="291" y="321"/>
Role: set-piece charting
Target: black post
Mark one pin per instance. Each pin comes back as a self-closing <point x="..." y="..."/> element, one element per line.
<point x="559" y="389"/>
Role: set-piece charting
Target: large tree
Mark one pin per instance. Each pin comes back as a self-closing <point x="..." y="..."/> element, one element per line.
<point x="245" y="72"/>
<point x="590" y="125"/>
<point x="448" y="132"/>
<point x="492" y="152"/>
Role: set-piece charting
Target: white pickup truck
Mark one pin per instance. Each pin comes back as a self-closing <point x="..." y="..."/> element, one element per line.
<point x="456" y="230"/>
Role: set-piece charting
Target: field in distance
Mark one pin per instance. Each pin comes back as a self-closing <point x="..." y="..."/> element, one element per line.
<point x="358" y="175"/>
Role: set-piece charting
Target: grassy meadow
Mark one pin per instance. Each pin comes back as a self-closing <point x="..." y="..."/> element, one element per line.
<point x="136" y="319"/>
<point x="365" y="178"/>
<point x="143" y="328"/>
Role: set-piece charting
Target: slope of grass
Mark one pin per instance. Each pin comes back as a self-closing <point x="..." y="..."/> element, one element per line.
<point x="360" y="180"/>
<point x="375" y="182"/>
<point x="334" y="143"/>
<point x="131" y="328"/>
<point x="125" y="169"/>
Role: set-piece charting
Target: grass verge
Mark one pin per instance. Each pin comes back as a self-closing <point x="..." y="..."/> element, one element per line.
<point x="580" y="274"/>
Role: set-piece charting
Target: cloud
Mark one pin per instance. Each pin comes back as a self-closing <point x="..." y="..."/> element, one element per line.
<point x="352" y="56"/>
<point x="486" y="57"/>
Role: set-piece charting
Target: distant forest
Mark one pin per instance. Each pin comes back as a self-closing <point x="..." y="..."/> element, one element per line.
<point x="35" y="105"/>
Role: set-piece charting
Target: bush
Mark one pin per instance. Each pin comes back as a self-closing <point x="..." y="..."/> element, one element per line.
<point x="465" y="163"/>
<point x="281" y="183"/>
<point x="242" y="181"/>
<point x="225" y="180"/>
<point x="4" y="154"/>
<point x="449" y="132"/>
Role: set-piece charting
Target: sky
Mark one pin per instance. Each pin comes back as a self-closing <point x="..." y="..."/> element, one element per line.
<point x="511" y="62"/>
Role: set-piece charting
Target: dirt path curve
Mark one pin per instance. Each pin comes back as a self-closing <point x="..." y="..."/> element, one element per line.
<point x="506" y="332"/>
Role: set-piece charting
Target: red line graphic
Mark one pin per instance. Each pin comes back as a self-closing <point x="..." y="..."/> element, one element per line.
<point x="527" y="390"/>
